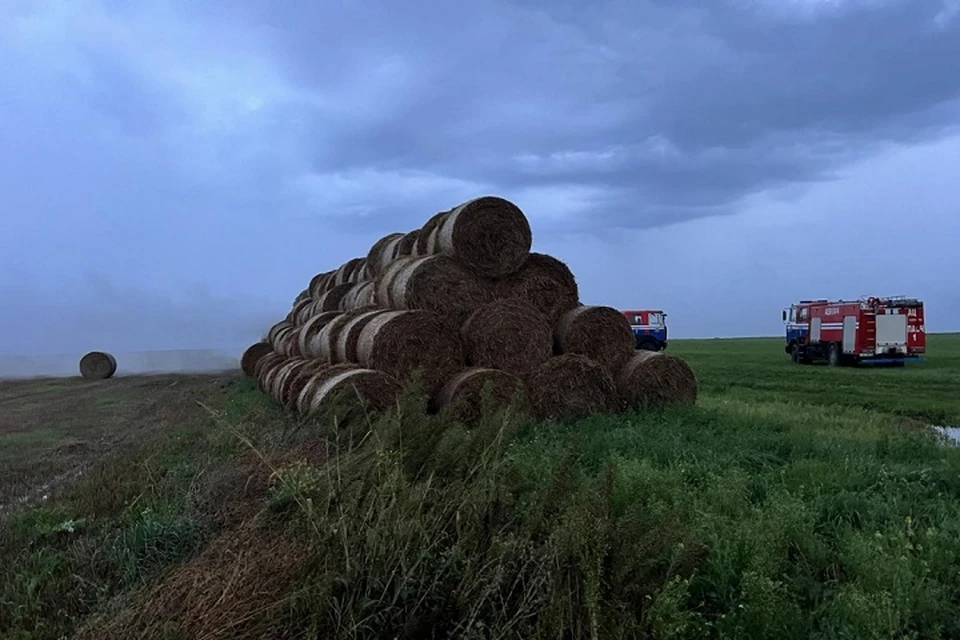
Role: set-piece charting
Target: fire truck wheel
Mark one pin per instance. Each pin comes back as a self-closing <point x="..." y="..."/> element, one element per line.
<point x="795" y="354"/>
<point x="648" y="344"/>
<point x="834" y="355"/>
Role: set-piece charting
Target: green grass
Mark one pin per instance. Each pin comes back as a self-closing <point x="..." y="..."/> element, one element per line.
<point x="792" y="502"/>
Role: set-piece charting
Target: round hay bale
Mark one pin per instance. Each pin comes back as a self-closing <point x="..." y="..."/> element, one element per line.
<point x="309" y="386"/>
<point x="300" y="296"/>
<point x="297" y="315"/>
<point x="384" y="281"/>
<point x="325" y="342"/>
<point x="362" y="295"/>
<point x="281" y="376"/>
<point x="98" y="365"/>
<point x="601" y="333"/>
<point x="544" y="282"/>
<point x="509" y="335"/>
<point x="349" y="335"/>
<point x="490" y="235"/>
<point x="291" y="343"/>
<point x="462" y="395"/>
<point x="373" y="390"/>
<point x="382" y="252"/>
<point x="275" y="329"/>
<point x="320" y="283"/>
<point x="297" y="380"/>
<point x="252" y="355"/>
<point x="422" y="248"/>
<point x="264" y="364"/>
<point x="439" y="283"/>
<point x="309" y="331"/>
<point x="268" y="369"/>
<point x="345" y="273"/>
<point x="330" y="300"/>
<point x="407" y="245"/>
<point x="654" y="379"/>
<point x="571" y="387"/>
<point x="401" y="342"/>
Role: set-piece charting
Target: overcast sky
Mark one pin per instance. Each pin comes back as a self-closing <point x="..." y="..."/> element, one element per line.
<point x="173" y="173"/>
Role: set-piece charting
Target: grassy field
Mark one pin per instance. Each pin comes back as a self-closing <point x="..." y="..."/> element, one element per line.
<point x="792" y="502"/>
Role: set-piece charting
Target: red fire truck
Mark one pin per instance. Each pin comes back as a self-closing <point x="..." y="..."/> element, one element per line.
<point x="864" y="331"/>
<point x="649" y="328"/>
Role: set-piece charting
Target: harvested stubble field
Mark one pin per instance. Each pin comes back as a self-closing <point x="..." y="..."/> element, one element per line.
<point x="790" y="502"/>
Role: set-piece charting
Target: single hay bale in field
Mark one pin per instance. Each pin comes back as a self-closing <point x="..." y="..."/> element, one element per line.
<point x="544" y="282"/>
<point x="298" y="313"/>
<point x="309" y="331"/>
<point x="462" y="395"/>
<point x="382" y="252"/>
<point x="349" y="335"/>
<point x="570" y="387"/>
<point x="361" y="296"/>
<point x="320" y="283"/>
<point x="252" y="355"/>
<point x="654" y="379"/>
<point x="407" y="245"/>
<point x="309" y="387"/>
<point x="601" y="333"/>
<point x="345" y="273"/>
<point x="422" y="248"/>
<point x="330" y="299"/>
<point x="98" y="365"/>
<point x="439" y="283"/>
<point x="490" y="235"/>
<point x="510" y="335"/>
<point x="402" y="342"/>
<point x="373" y="390"/>
<point x="384" y="281"/>
<point x="326" y="340"/>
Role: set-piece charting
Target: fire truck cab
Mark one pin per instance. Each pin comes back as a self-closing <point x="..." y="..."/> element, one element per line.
<point x="649" y="328"/>
<point x="865" y="331"/>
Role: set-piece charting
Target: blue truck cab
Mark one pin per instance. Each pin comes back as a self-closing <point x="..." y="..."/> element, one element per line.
<point x="649" y="328"/>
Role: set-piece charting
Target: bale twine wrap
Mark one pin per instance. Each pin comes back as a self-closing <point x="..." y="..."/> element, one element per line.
<point x="438" y="283"/>
<point x="570" y="387"/>
<point x="490" y="235"/>
<point x="545" y="282"/>
<point x="654" y="379"/>
<point x="381" y="253"/>
<point x="349" y="335"/>
<point x="310" y="329"/>
<point x="98" y="365"/>
<point x="320" y="283"/>
<point x="300" y="311"/>
<point x="462" y="395"/>
<point x="346" y="273"/>
<point x="280" y="378"/>
<point x="373" y="390"/>
<point x="321" y="374"/>
<point x="401" y="342"/>
<point x="384" y="280"/>
<point x="407" y="245"/>
<point x="252" y="355"/>
<point x="325" y="342"/>
<point x="510" y="335"/>
<point x="601" y="333"/>
<point x="361" y="296"/>
<point x="422" y="247"/>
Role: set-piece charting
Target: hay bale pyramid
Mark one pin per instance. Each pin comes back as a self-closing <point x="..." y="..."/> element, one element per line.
<point x="464" y="304"/>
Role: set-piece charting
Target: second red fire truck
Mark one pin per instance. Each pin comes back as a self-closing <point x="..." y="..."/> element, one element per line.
<point x="864" y="331"/>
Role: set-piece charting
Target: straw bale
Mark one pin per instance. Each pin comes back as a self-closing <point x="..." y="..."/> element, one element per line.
<point x="407" y="245"/>
<point x="320" y="283"/>
<point x="510" y="335"/>
<point x="545" y="282"/>
<point x="570" y="387"/>
<point x="403" y="342"/>
<point x="345" y="273"/>
<point x="601" y="333"/>
<point x="98" y="365"/>
<point x="362" y="295"/>
<point x="252" y="354"/>
<point x="300" y="311"/>
<point x="374" y="390"/>
<point x="489" y="235"/>
<point x="326" y="339"/>
<point x="422" y="247"/>
<point x="655" y="379"/>
<point x="349" y="335"/>
<point x="282" y="376"/>
<point x="438" y="283"/>
<point x="310" y="329"/>
<point x="309" y="387"/>
<point x="462" y="395"/>
<point x="330" y="299"/>
<point x="382" y="253"/>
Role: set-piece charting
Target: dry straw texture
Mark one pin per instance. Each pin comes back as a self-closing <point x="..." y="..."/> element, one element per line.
<point x="510" y="335"/>
<point x="462" y="395"/>
<point x="319" y="284"/>
<point x="326" y="339"/>
<point x="300" y="311"/>
<point x="438" y="283"/>
<point x="309" y="331"/>
<point x="349" y="335"/>
<point x="373" y="390"/>
<point x="384" y="280"/>
<point x="252" y="355"/>
<point x="347" y="272"/>
<point x="362" y="296"/>
<point x="408" y="244"/>
<point x="423" y="247"/>
<point x="322" y="373"/>
<point x="601" y="333"/>
<point x="98" y="365"/>
<point x="265" y="364"/>
<point x="654" y="379"/>
<point x="570" y="387"/>
<point x="330" y="300"/>
<point x="282" y="377"/>
<point x="488" y="235"/>
<point x="298" y="381"/>
<point x="382" y="253"/>
<point x="545" y="282"/>
<point x="403" y="342"/>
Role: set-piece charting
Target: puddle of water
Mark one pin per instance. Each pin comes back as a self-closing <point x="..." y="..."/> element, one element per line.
<point x="950" y="435"/>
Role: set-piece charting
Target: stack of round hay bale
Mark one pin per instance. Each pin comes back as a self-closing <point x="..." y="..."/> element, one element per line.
<point x="463" y="304"/>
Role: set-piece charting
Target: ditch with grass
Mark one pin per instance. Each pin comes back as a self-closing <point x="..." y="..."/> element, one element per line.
<point x="791" y="502"/>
